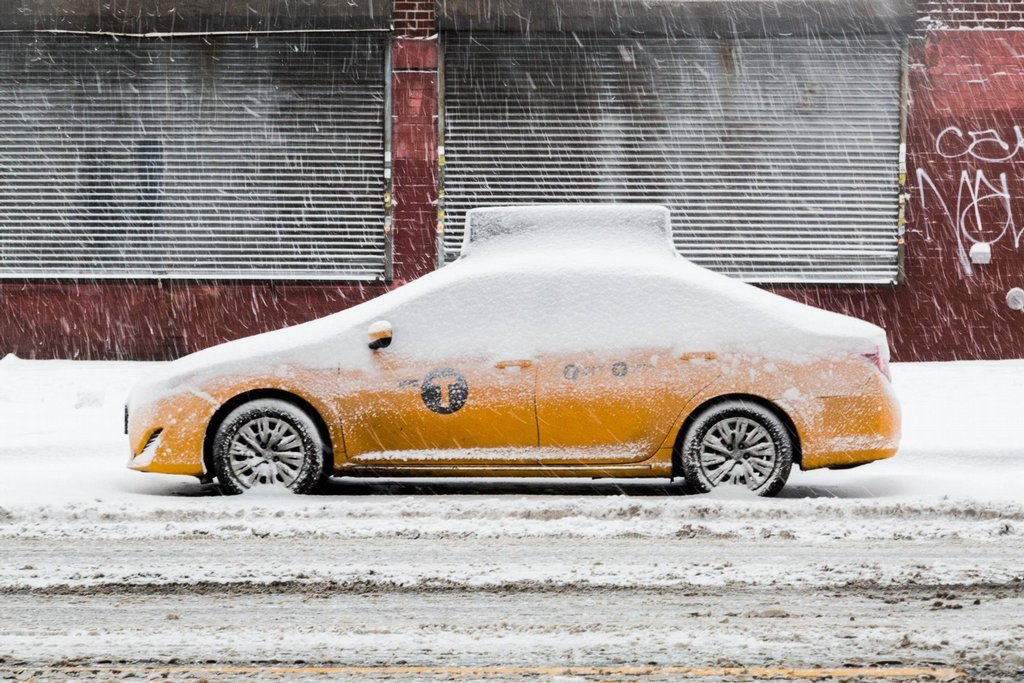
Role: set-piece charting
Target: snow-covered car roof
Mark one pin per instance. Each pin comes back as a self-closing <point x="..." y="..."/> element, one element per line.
<point x="540" y="227"/>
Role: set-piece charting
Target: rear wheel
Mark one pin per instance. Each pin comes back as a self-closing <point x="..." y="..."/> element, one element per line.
<point x="267" y="442"/>
<point x="740" y="443"/>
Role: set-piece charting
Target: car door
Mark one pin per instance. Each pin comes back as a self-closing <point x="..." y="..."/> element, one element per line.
<point x="613" y="394"/>
<point x="455" y="386"/>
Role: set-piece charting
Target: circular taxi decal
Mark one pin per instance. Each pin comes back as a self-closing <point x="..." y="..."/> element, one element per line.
<point x="444" y="391"/>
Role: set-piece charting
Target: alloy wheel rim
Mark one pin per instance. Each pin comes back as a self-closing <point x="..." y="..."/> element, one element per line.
<point x="737" y="450"/>
<point x="266" y="450"/>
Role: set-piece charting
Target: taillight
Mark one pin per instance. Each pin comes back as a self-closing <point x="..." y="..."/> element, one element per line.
<point x="881" y="362"/>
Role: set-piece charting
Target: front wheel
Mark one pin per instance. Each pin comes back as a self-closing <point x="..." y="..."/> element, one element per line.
<point x="737" y="442"/>
<point x="267" y="442"/>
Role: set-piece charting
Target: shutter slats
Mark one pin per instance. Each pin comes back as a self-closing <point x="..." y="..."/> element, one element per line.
<point x="212" y="157"/>
<point x="779" y="158"/>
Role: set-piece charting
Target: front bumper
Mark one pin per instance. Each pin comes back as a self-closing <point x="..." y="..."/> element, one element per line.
<point x="167" y="435"/>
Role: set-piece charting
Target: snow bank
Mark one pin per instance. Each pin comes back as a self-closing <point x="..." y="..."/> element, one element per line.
<point x="65" y="407"/>
<point x="970" y="412"/>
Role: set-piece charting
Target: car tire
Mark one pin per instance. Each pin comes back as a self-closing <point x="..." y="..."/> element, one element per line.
<point x="264" y="442"/>
<point x="739" y="442"/>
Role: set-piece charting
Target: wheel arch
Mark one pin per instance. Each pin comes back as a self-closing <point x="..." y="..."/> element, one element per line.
<point x="299" y="402"/>
<point x="775" y="408"/>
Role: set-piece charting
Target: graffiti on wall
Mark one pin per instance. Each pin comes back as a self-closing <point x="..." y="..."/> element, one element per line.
<point x="981" y="208"/>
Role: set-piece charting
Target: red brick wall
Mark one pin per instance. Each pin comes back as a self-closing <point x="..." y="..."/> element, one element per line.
<point x="972" y="15"/>
<point x="966" y="186"/>
<point x="150" y="320"/>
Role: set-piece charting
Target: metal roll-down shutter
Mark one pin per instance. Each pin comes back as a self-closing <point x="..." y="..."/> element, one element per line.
<point x="778" y="157"/>
<point x="229" y="156"/>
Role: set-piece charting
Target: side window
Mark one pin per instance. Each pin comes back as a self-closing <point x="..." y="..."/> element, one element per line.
<point x="606" y="311"/>
<point x="479" y="316"/>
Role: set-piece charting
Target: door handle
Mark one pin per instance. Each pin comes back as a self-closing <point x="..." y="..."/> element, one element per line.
<point x="698" y="355"/>
<point x="502" y="364"/>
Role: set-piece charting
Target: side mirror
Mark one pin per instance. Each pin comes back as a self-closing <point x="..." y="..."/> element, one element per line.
<point x="380" y="334"/>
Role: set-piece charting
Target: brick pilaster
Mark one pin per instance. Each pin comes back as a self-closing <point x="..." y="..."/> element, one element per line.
<point x="414" y="138"/>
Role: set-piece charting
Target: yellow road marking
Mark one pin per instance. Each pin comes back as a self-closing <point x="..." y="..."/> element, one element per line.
<point x="476" y="671"/>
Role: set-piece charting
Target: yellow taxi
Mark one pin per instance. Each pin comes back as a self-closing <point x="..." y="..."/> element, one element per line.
<point x="565" y="341"/>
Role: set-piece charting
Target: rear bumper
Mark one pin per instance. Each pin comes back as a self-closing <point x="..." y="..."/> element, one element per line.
<point x="844" y="431"/>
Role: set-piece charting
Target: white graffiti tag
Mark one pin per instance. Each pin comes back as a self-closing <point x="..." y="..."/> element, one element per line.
<point x="976" y="197"/>
<point x="983" y="210"/>
<point x="982" y="145"/>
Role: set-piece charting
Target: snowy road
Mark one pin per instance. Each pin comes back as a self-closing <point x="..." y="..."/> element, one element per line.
<point x="910" y="569"/>
<point x="518" y="602"/>
<point x="518" y="623"/>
